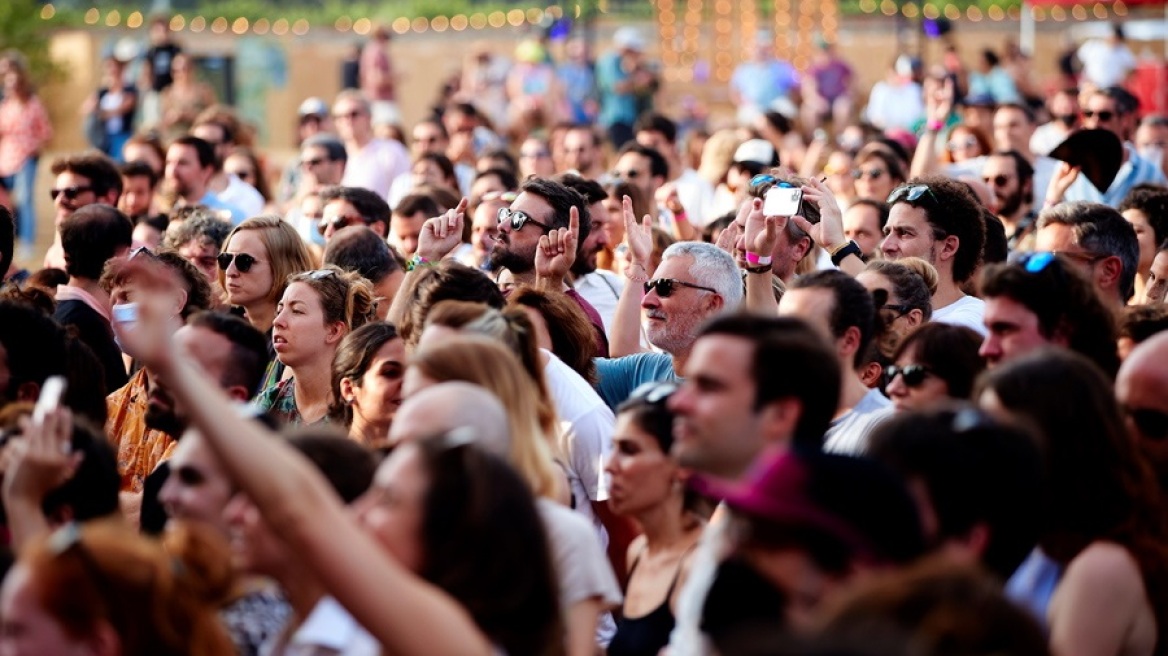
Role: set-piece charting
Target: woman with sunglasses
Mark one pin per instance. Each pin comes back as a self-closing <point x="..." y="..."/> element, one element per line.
<point x="876" y="172"/>
<point x="649" y="486"/>
<point x="1099" y="577"/>
<point x="258" y="257"/>
<point x="907" y="285"/>
<point x="316" y="312"/>
<point x="936" y="363"/>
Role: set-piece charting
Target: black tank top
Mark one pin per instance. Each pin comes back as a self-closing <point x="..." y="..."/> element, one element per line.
<point x="648" y="634"/>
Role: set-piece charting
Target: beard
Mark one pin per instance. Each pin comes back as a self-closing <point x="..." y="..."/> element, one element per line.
<point x="505" y="258"/>
<point x="585" y="263"/>
<point x="1010" y="204"/>
<point x="160" y="415"/>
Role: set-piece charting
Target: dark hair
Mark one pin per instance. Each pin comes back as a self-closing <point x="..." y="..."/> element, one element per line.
<point x="1026" y="110"/>
<point x="34" y="344"/>
<point x="573" y="335"/>
<point x="1065" y="304"/>
<point x="809" y="211"/>
<point x="562" y="198"/>
<point x="910" y="287"/>
<point x="348" y="466"/>
<point x="198" y="290"/>
<point x="501" y="156"/>
<point x="414" y="203"/>
<point x="7" y="241"/>
<point x="1125" y="102"/>
<point x="997" y="247"/>
<point x="140" y="169"/>
<point x="442" y="162"/>
<point x="450" y="280"/>
<point x="249" y="348"/>
<point x="590" y="190"/>
<point x="92" y="490"/>
<point x="1022" y="167"/>
<point x="1099" y="229"/>
<point x="506" y="177"/>
<point x="801" y="349"/>
<point x="93" y="235"/>
<point x="952" y="210"/>
<point x="597" y="141"/>
<point x="151" y="141"/>
<point x="203" y="149"/>
<point x="886" y="155"/>
<point x="352" y="359"/>
<point x="86" y="383"/>
<point x="990" y="57"/>
<point x="334" y="149"/>
<point x="950" y="352"/>
<point x="658" y="167"/>
<point x="853" y="305"/>
<point x="504" y="579"/>
<point x="371" y="206"/>
<point x="1152" y="200"/>
<point x="202" y="225"/>
<point x="655" y="122"/>
<point x="879" y="205"/>
<point x="102" y="172"/>
<point x="1098" y="485"/>
<point x="1139" y="322"/>
<point x="359" y="249"/>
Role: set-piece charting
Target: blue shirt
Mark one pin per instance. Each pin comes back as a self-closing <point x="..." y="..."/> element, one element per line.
<point x="1136" y="170"/>
<point x="212" y="202"/>
<point x="762" y="83"/>
<point x="618" y="377"/>
<point x="615" y="107"/>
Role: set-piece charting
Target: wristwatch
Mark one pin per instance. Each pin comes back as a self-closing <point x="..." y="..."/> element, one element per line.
<point x="850" y="248"/>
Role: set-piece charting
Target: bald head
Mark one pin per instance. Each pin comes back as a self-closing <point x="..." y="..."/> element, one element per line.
<point x="447" y="406"/>
<point x="1142" y="390"/>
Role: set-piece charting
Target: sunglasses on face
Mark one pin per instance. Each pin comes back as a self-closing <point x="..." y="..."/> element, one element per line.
<point x="338" y="222"/>
<point x="1067" y="119"/>
<point x="1152" y="424"/>
<point x="666" y="286"/>
<point x="871" y="174"/>
<point x="70" y="193"/>
<point x="243" y="261"/>
<point x="914" y="374"/>
<point x="631" y="174"/>
<point x="1104" y="115"/>
<point x="996" y="181"/>
<point x="900" y="310"/>
<point x="518" y="219"/>
<point x="958" y="144"/>
<point x="312" y="163"/>
<point x="352" y="116"/>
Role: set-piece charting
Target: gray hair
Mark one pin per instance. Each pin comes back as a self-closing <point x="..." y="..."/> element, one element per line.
<point x="714" y="267"/>
<point x="1102" y="230"/>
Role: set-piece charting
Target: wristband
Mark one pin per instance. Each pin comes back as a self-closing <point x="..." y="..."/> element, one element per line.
<point x="850" y="248"/>
<point x="417" y="261"/>
<point x="934" y="126"/>
<point x="641" y="277"/>
<point x="762" y="268"/>
<point x="755" y="258"/>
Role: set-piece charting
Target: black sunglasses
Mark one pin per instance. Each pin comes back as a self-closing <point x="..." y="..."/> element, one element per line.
<point x="71" y="193"/>
<point x="996" y="181"/>
<point x="1105" y="115"/>
<point x="666" y="286"/>
<point x="518" y="219"/>
<point x="1152" y="424"/>
<point x="339" y="222"/>
<point x="910" y="193"/>
<point x="914" y="374"/>
<point x="900" y="310"/>
<point x="871" y="174"/>
<point x="243" y="261"/>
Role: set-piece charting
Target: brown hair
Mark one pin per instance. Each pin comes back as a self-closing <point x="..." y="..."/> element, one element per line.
<point x="345" y="297"/>
<point x="573" y="335"/>
<point x="160" y="597"/>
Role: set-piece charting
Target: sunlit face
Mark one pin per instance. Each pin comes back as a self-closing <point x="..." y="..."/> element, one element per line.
<point x="908" y="234"/>
<point x="1101" y="113"/>
<point x="137" y="195"/>
<point x="427" y="172"/>
<point x="580" y="152"/>
<point x="339" y="213"/>
<point x="242" y="167"/>
<point x="253" y="287"/>
<point x="963" y="145"/>
<point x="642" y="476"/>
<point x="405" y="231"/>
<point x="839" y="174"/>
<point x="515" y="249"/>
<point x="428" y="138"/>
<point x="672" y="323"/>
<point x="26" y="627"/>
<point x="484" y="230"/>
<point x="197" y="488"/>
<point x="862" y="225"/>
<point x="140" y="152"/>
<point x="535" y="158"/>
<point x="1157" y="288"/>
<point x="376" y="396"/>
<point x="393" y="508"/>
<point x="1012" y="331"/>
<point x="873" y="179"/>
<point x="300" y="332"/>
<point x="202" y="254"/>
<point x="352" y="120"/>
<point x="923" y="394"/>
<point x="1000" y="173"/>
<point x="1012" y="130"/>
<point x="74" y="192"/>
<point x="1145" y="236"/>
<point x="898" y="324"/>
<point x="185" y="173"/>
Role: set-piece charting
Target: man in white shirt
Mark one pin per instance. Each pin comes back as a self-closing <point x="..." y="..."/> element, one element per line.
<point x="227" y="186"/>
<point x="373" y="162"/>
<point x="658" y="132"/>
<point x="1107" y="62"/>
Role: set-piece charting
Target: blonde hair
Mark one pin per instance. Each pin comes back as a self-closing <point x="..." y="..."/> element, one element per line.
<point x="485" y="362"/>
<point x="286" y="251"/>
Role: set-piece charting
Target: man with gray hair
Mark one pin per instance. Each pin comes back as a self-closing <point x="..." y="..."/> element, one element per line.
<point x="695" y="282"/>
<point x="1100" y="243"/>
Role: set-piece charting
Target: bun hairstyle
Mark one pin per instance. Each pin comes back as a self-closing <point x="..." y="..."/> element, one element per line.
<point x="160" y="597"/>
<point x="345" y="296"/>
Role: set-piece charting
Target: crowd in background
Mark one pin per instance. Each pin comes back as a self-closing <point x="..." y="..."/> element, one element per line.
<point x="555" y="370"/>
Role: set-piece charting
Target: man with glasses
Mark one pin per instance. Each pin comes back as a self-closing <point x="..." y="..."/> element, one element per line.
<point x="321" y="164"/>
<point x="1142" y="390"/>
<point x="373" y="163"/>
<point x="1012" y="178"/>
<point x="1042" y="300"/>
<point x="1112" y="109"/>
<point x="349" y="206"/>
<point x="1014" y="126"/>
<point x="939" y="220"/>
<point x="643" y="168"/>
<point x="1151" y="140"/>
<point x="80" y="180"/>
<point x="1100" y="243"/>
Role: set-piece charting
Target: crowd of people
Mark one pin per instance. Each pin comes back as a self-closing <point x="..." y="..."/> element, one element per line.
<point x="609" y="384"/>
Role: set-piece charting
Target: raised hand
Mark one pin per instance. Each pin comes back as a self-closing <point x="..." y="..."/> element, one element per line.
<point x="442" y="234"/>
<point x="761" y="234"/>
<point x="829" y="232"/>
<point x="639" y="236"/>
<point x="42" y="460"/>
<point x="147" y="336"/>
<point x="1064" y="176"/>
<point x="939" y="98"/>
<point x="557" y="252"/>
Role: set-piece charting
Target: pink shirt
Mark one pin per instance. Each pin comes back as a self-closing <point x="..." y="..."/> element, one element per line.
<point x="24" y="129"/>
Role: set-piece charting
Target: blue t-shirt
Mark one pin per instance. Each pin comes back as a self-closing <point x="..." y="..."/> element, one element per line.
<point x="615" y="107"/>
<point x="618" y="377"/>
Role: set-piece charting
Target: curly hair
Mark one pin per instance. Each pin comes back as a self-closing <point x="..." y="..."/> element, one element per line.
<point x="951" y="210"/>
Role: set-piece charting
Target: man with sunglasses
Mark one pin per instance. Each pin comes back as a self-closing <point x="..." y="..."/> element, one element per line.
<point x="939" y="220"/>
<point x="644" y="168"/>
<point x="1113" y="109"/>
<point x="81" y="180"/>
<point x="1100" y="243"/>
<point x="373" y="163"/>
<point x="349" y="206"/>
<point x="1142" y="390"/>
<point x="1012" y="178"/>
<point x="228" y="187"/>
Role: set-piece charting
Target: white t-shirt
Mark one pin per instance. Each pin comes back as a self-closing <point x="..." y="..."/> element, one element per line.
<point x="697" y="197"/>
<point x="375" y="166"/>
<point x="602" y="290"/>
<point x="242" y="195"/>
<point x="1105" y="64"/>
<point x="587" y="424"/>
<point x="848" y="435"/>
<point x="968" y="311"/>
<point x="328" y="629"/>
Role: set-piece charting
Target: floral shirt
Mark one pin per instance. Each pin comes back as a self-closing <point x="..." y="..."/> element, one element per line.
<point x="280" y="401"/>
<point x="140" y="449"/>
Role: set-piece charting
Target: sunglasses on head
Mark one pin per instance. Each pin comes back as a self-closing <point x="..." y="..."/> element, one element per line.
<point x="1151" y="423"/>
<point x="653" y="393"/>
<point x="243" y="261"/>
<point x="518" y="219"/>
<point x="871" y="174"/>
<point x="666" y="286"/>
<point x="70" y="193"/>
<point x="914" y="374"/>
<point x="909" y="193"/>
<point x="1104" y="115"/>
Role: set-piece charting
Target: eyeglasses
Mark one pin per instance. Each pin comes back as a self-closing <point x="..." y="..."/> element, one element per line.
<point x="871" y="174"/>
<point x="243" y="175"/>
<point x="958" y="144"/>
<point x="1151" y="423"/>
<point x="631" y="174"/>
<point x="352" y="116"/>
<point x="1085" y="257"/>
<point x="71" y="193"/>
<point x="996" y="181"/>
<point x="1104" y="115"/>
<point x="518" y="219"/>
<point x="914" y="374"/>
<point x="653" y="393"/>
<point x="243" y="261"/>
<point x="666" y="286"/>
<point x="312" y="163"/>
<point x="909" y="193"/>
<point x="1067" y="119"/>
<point x="339" y="222"/>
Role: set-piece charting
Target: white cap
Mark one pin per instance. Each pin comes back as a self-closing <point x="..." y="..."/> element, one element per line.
<point x="313" y="107"/>
<point x="759" y="151"/>
<point x="629" y="38"/>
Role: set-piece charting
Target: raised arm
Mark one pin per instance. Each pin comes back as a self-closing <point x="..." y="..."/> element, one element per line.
<point x="556" y="253"/>
<point x="829" y="232"/>
<point x="439" y="237"/>
<point x="626" y="324"/>
<point x="407" y="614"/>
<point x="38" y="462"/>
<point x="938" y="106"/>
<point x="760" y="235"/>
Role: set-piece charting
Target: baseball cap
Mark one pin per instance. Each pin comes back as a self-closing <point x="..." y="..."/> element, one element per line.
<point x="628" y="38"/>
<point x="758" y="151"/>
<point x="313" y="107"/>
<point x="857" y="501"/>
